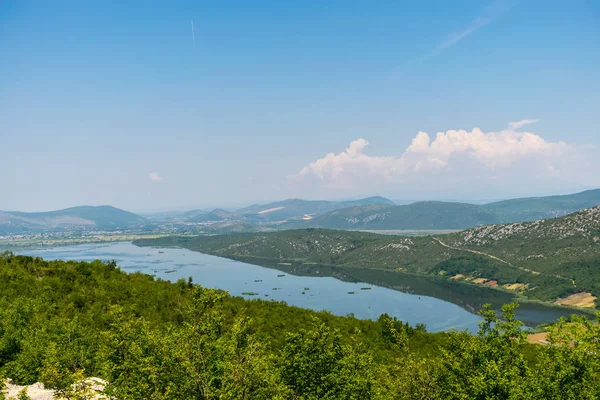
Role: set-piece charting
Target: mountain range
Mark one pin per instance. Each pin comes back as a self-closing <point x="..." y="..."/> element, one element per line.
<point x="372" y="213"/>
<point x="294" y="209"/>
<point x="448" y="215"/>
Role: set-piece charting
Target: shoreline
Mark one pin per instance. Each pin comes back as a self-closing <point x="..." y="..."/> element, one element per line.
<point x="354" y="275"/>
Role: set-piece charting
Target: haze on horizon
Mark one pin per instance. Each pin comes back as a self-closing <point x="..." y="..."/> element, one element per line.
<point x="125" y="104"/>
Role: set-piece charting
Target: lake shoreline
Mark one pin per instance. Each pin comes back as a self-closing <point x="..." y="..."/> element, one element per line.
<point x="497" y="296"/>
<point x="318" y="293"/>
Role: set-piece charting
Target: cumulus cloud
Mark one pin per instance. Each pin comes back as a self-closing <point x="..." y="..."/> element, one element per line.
<point x="155" y="177"/>
<point x="481" y="151"/>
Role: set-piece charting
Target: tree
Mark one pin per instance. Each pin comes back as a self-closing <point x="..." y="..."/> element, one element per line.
<point x="569" y="367"/>
<point x="488" y="366"/>
<point x="315" y="365"/>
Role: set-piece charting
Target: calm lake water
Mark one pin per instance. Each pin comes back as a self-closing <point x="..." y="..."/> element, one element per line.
<point x="324" y="293"/>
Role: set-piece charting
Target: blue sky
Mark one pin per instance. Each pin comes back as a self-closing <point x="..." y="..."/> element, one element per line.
<point x="95" y="97"/>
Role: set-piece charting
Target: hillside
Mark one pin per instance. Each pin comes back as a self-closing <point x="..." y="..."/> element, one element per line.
<point x="551" y="246"/>
<point x="538" y="260"/>
<point x="421" y="215"/>
<point x="62" y="322"/>
<point x="76" y="218"/>
<point x="535" y="208"/>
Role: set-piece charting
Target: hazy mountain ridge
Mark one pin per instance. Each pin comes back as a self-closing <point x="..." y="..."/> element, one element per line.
<point x="450" y="215"/>
<point x="280" y="210"/>
<point x="421" y="215"/>
<point x="198" y="216"/>
<point x="82" y="217"/>
<point x="372" y="213"/>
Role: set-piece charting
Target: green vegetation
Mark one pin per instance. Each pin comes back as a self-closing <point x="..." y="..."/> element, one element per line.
<point x="152" y="339"/>
<point x="554" y="258"/>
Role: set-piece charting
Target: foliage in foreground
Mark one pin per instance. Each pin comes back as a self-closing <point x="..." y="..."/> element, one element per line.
<point x="151" y="339"/>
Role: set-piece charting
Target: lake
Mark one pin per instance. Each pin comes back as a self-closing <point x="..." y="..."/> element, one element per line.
<point x="440" y="304"/>
<point x="317" y="293"/>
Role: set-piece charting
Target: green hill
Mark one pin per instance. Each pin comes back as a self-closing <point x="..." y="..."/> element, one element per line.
<point x="534" y="208"/>
<point x="61" y="322"/>
<point x="542" y="258"/>
<point x="83" y="217"/>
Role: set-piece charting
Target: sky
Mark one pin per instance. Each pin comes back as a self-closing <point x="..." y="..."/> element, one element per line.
<point x="149" y="105"/>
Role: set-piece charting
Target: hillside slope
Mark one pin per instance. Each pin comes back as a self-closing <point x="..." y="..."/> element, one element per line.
<point x="83" y="217"/>
<point x="543" y="245"/>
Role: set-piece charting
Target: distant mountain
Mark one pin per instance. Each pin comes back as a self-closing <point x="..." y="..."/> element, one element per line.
<point x="421" y="215"/>
<point x="298" y="209"/>
<point x="233" y="226"/>
<point x="533" y="208"/>
<point x="448" y="215"/>
<point x="83" y="217"/>
<point x="198" y="216"/>
<point x="294" y="209"/>
<point x="163" y="216"/>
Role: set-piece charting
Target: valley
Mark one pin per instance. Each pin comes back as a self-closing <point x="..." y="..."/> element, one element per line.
<point x="546" y="260"/>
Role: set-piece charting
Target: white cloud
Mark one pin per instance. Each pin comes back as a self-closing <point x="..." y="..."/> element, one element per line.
<point x="155" y="177"/>
<point x="455" y="152"/>
<point x="521" y="123"/>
